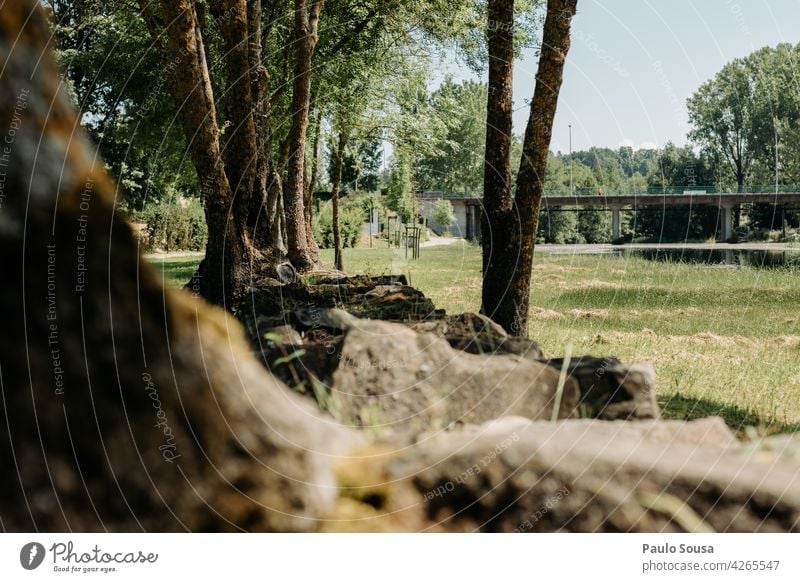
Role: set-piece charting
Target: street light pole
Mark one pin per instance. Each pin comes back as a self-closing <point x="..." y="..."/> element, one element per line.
<point x="571" y="187"/>
<point x="775" y="122"/>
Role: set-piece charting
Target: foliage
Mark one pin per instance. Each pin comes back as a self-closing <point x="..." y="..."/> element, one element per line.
<point x="625" y="171"/>
<point x="116" y="81"/>
<point x="351" y="221"/>
<point x="374" y="201"/>
<point x="739" y="114"/>
<point x="173" y="224"/>
<point x="457" y="161"/>
<point x="399" y="192"/>
<point x="558" y="226"/>
<point x="360" y="166"/>
<point x="443" y="215"/>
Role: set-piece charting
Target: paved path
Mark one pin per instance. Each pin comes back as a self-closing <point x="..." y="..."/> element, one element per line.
<point x="175" y="255"/>
<point x="438" y="241"/>
<point x="605" y="248"/>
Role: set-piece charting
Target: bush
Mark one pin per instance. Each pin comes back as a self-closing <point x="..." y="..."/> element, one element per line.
<point x="558" y="227"/>
<point x="174" y="225"/>
<point x="594" y="225"/>
<point x="351" y="220"/>
<point x="443" y="215"/>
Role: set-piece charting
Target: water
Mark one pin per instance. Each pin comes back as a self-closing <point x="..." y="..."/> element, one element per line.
<point x="760" y="259"/>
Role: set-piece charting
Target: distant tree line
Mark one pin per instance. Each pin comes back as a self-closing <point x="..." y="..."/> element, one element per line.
<point x="745" y="136"/>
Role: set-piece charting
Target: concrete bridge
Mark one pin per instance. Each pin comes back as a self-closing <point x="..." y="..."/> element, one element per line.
<point x="726" y="202"/>
<point x="468" y="208"/>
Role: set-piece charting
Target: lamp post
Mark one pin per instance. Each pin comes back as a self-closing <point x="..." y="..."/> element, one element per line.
<point x="571" y="187"/>
<point x="775" y="125"/>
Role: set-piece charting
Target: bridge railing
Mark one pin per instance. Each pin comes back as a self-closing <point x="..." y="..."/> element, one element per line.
<point x="627" y="191"/>
<point x="677" y="190"/>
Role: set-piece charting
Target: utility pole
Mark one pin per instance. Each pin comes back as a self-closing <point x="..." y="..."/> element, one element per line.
<point x="775" y="123"/>
<point x="571" y="187"/>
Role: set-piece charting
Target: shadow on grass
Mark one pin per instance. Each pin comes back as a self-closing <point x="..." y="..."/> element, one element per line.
<point x="679" y="407"/>
<point x="176" y="272"/>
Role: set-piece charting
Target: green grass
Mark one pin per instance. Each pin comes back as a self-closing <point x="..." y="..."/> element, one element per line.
<point x="723" y="341"/>
<point x="176" y="271"/>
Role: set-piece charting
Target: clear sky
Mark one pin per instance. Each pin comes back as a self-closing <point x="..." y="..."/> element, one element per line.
<point x="633" y="64"/>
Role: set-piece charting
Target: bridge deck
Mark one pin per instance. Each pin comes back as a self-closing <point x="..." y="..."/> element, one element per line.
<point x="674" y="199"/>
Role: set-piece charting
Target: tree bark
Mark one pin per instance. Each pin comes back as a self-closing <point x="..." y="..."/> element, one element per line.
<point x="509" y="224"/>
<point x="221" y="275"/>
<point x="264" y="211"/>
<point x="303" y="252"/>
<point x="500" y="228"/>
<point x="536" y="145"/>
<point x="337" y="180"/>
<point x="234" y="175"/>
<point x="312" y="180"/>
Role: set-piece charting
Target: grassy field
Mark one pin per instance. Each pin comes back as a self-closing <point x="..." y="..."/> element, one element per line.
<point x="723" y="341"/>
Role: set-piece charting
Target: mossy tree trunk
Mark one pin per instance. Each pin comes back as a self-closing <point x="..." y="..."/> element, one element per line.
<point x="303" y="251"/>
<point x="337" y="181"/>
<point x="233" y="172"/>
<point x="510" y="224"/>
<point x="500" y="225"/>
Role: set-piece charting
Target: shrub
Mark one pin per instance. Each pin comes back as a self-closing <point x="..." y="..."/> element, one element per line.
<point x="174" y="225"/>
<point x="351" y="220"/>
<point x="443" y="215"/>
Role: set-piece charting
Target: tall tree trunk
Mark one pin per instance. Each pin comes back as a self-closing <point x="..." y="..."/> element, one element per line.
<point x="337" y="180"/>
<point x="263" y="214"/>
<point x="500" y="228"/>
<point x="312" y="179"/>
<point x="531" y="177"/>
<point x="233" y="175"/>
<point x="302" y="252"/>
<point x="220" y="276"/>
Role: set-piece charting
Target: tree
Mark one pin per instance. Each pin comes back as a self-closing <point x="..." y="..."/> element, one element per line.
<point x="444" y="215"/>
<point x="400" y="189"/>
<point x="119" y="104"/>
<point x="500" y="227"/>
<point x="238" y="180"/>
<point x="722" y="113"/>
<point x="360" y="165"/>
<point x="457" y="162"/>
<point x="510" y="224"/>
<point x="303" y="251"/>
<point x="337" y="180"/>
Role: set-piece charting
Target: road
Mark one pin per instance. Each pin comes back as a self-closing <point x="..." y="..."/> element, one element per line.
<point x="605" y="248"/>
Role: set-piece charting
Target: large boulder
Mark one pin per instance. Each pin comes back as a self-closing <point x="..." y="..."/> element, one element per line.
<point x="392" y="376"/>
<point x="126" y="406"/>
<point x="428" y="375"/>
<point x="517" y="475"/>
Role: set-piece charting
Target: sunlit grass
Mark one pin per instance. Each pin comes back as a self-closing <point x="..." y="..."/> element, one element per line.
<point x="723" y="340"/>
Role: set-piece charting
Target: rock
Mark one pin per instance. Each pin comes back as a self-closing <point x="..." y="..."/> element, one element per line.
<point x="332" y="320"/>
<point x="388" y="298"/>
<point x="782" y="447"/>
<point x="612" y="390"/>
<point x="477" y="334"/>
<point x="391" y="375"/>
<point x="286" y="273"/>
<point x="513" y="474"/>
<point x="126" y="406"/>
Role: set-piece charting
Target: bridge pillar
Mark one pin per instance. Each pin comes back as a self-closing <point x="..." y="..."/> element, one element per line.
<point x="615" y="222"/>
<point x="727" y="221"/>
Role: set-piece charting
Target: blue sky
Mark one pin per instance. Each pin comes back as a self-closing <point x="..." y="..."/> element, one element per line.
<point x="633" y="64"/>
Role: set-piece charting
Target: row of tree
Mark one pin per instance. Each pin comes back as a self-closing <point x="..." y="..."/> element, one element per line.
<point x="236" y="95"/>
<point x="233" y="95"/>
